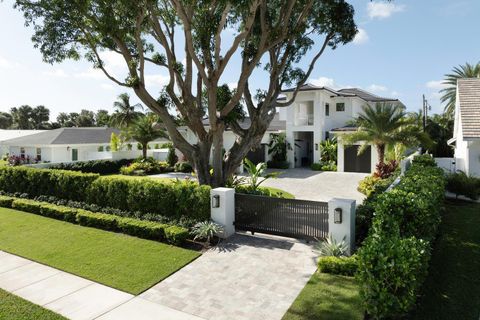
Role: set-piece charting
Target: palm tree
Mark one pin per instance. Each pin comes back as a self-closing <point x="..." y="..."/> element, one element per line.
<point x="382" y="125"/>
<point x="145" y="130"/>
<point x="450" y="93"/>
<point x="125" y="114"/>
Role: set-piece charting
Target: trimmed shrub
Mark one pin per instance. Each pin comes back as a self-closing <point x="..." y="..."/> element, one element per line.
<point x="393" y="261"/>
<point x="462" y="185"/>
<point x="58" y="212"/>
<point x="97" y="220"/>
<point x="424" y="160"/>
<point x="94" y="166"/>
<point x="183" y="166"/>
<point x="346" y="266"/>
<point x="176" y="235"/>
<point x="391" y="271"/>
<point x="324" y="166"/>
<point x="171" y="156"/>
<point x="142" y="229"/>
<point x="27" y="205"/>
<point x="6" y="202"/>
<point x="36" y="182"/>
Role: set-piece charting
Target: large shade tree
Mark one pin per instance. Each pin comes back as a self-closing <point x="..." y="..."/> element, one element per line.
<point x="385" y="124"/>
<point x="187" y="39"/>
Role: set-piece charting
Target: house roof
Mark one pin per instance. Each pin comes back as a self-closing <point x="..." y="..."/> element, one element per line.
<point x="275" y="125"/>
<point x="469" y="105"/>
<point x="66" y="136"/>
<point x="347" y="92"/>
<point x="11" y="134"/>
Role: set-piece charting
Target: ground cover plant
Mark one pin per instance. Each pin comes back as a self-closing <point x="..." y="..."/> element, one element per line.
<point x="16" y="308"/>
<point x="122" y="262"/>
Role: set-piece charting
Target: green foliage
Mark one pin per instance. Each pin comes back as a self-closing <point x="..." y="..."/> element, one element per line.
<point x="328" y="151"/>
<point x="114" y="142"/>
<point x="278" y="164"/>
<point x="27" y="205"/>
<point x="331" y="247"/>
<point x="144" y="130"/>
<point x="35" y="182"/>
<point x="102" y="167"/>
<point x="97" y="220"/>
<point x="171" y="156"/>
<point x="206" y="230"/>
<point x="277" y="148"/>
<point x="125" y="114"/>
<point x="257" y="174"/>
<point x="324" y="166"/>
<point x="462" y="185"/>
<point x="391" y="271"/>
<point x="346" y="266"/>
<point x="425" y="160"/>
<point x="367" y="185"/>
<point x="6" y="202"/>
<point x="183" y="166"/>
<point x="393" y="260"/>
<point x="142" y="229"/>
<point x="176" y="235"/>
<point x="58" y="212"/>
<point x="147" y="166"/>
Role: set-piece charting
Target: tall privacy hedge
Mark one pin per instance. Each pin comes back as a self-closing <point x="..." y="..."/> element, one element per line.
<point x="394" y="258"/>
<point x="175" y="200"/>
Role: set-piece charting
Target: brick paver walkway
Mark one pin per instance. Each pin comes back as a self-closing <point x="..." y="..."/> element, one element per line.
<point x="244" y="278"/>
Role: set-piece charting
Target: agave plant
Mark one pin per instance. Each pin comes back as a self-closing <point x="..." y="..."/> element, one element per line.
<point x="330" y="247"/>
<point x="206" y="230"/>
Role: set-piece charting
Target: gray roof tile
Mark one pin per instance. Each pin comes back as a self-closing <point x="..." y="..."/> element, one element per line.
<point x="469" y="102"/>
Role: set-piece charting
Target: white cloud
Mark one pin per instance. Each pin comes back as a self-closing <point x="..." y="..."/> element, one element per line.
<point x="382" y="10"/>
<point x="91" y="73"/>
<point x="361" y="37"/>
<point x="324" y="82"/>
<point x="436" y="85"/>
<point x="395" y="93"/>
<point x="377" y="88"/>
<point x="8" y="64"/>
<point x="107" y="86"/>
<point x="112" y="59"/>
<point x="59" y="73"/>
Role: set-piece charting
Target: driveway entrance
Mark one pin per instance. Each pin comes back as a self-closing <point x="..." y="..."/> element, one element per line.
<point x="246" y="277"/>
<point x="317" y="185"/>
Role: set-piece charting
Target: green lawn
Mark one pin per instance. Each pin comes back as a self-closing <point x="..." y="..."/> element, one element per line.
<point x="452" y="289"/>
<point x="327" y="297"/>
<point x="123" y="262"/>
<point x="15" y="308"/>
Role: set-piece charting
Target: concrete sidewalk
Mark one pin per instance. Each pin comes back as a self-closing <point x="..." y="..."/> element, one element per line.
<point x="74" y="297"/>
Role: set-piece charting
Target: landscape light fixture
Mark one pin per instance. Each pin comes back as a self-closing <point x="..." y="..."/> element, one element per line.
<point x="216" y="201"/>
<point x="337" y="215"/>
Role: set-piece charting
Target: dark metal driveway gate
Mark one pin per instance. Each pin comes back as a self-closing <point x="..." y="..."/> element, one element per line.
<point x="285" y="217"/>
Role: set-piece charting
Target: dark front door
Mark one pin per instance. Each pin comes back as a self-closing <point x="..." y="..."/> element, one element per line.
<point x="357" y="163"/>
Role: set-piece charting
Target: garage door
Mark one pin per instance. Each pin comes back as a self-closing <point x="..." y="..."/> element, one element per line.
<point x="357" y="163"/>
<point x="257" y="155"/>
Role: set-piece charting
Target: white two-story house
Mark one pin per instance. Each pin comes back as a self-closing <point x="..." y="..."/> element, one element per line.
<point x="320" y="112"/>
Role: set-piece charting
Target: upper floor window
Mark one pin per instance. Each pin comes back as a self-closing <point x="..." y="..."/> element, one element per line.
<point x="327" y="109"/>
<point x="304" y="113"/>
<point x="340" y="106"/>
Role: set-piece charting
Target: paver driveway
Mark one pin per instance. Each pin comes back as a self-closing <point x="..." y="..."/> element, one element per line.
<point x="246" y="277"/>
<point x="317" y="185"/>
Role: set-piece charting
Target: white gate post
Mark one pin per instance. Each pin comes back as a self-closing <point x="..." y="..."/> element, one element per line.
<point x="222" y="206"/>
<point x="341" y="221"/>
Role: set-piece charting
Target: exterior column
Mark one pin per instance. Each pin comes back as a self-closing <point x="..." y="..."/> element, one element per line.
<point x="341" y="221"/>
<point x="222" y="210"/>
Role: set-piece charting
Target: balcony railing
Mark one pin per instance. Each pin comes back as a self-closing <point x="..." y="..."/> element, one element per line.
<point x="304" y="120"/>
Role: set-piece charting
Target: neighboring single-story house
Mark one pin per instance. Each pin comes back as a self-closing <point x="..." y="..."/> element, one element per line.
<point x="466" y="133"/>
<point x="317" y="114"/>
<point x="69" y="144"/>
<point x="11" y="134"/>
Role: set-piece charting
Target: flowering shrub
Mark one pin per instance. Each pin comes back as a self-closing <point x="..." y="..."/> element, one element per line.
<point x="14" y="160"/>
<point x="385" y="169"/>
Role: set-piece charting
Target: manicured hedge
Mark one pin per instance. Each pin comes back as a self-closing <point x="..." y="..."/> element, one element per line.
<point x="178" y="199"/>
<point x="94" y="166"/>
<point x="142" y="229"/>
<point x="35" y="182"/>
<point x="346" y="266"/>
<point x="393" y="261"/>
<point x="181" y="199"/>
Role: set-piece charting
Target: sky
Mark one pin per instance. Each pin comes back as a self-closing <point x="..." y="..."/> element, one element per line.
<point x="403" y="50"/>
